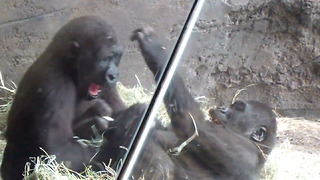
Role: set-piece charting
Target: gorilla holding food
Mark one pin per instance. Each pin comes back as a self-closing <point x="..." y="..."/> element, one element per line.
<point x="192" y="148"/>
<point x="69" y="88"/>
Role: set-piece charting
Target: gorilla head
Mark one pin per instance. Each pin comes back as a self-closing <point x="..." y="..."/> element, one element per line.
<point x="252" y="119"/>
<point x="92" y="43"/>
<point x="51" y="105"/>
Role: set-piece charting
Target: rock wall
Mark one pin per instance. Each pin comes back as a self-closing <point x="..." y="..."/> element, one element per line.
<point x="271" y="46"/>
<point x="26" y="28"/>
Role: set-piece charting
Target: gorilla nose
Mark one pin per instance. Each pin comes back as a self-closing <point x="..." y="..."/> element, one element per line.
<point x="112" y="77"/>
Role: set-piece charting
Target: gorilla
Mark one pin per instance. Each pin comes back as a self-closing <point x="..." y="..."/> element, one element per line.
<point x="193" y="148"/>
<point x="68" y="89"/>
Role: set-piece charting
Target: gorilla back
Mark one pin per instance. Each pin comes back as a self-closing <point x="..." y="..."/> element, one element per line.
<point x="82" y="58"/>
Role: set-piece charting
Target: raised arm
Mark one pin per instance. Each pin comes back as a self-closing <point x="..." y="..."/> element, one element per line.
<point x="181" y="106"/>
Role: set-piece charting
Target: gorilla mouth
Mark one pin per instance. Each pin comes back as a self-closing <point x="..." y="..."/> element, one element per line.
<point x="214" y="116"/>
<point x="94" y="90"/>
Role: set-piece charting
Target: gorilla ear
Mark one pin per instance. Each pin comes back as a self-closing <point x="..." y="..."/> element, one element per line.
<point x="259" y="135"/>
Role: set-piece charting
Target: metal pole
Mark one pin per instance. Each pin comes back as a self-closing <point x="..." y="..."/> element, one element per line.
<point x="162" y="87"/>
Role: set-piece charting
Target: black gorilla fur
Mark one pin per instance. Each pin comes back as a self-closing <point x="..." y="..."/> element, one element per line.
<point x="57" y="98"/>
<point x="233" y="149"/>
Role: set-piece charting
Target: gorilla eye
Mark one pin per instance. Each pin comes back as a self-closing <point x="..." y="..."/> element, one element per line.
<point x="106" y="59"/>
<point x="239" y="106"/>
<point x="259" y="135"/>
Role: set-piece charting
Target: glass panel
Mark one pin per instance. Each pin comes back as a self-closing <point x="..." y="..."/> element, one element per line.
<point x="242" y="104"/>
<point x="66" y="103"/>
<point x="264" y="51"/>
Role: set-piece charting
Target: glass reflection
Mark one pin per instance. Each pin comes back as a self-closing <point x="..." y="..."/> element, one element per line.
<point x="255" y="61"/>
<point x="66" y="108"/>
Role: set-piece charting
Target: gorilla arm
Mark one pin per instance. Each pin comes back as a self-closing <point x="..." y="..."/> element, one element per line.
<point x="216" y="151"/>
<point x="179" y="103"/>
<point x="57" y="129"/>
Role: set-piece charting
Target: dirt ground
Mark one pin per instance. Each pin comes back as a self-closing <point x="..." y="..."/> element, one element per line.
<point x="302" y="134"/>
<point x="270" y="44"/>
<point x="296" y="155"/>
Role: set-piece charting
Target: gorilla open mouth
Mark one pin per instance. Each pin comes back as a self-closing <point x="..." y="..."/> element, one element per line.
<point x="94" y="90"/>
<point x="214" y="117"/>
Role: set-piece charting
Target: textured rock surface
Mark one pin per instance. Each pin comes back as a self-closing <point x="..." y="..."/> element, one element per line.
<point x="26" y="27"/>
<point x="273" y="44"/>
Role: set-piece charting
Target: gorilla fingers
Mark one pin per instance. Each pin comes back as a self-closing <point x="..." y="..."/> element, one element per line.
<point x="69" y="88"/>
<point x="98" y="116"/>
<point x="231" y="150"/>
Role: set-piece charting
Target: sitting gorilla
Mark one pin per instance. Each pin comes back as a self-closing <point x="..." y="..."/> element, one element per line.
<point x="199" y="149"/>
<point x="57" y="98"/>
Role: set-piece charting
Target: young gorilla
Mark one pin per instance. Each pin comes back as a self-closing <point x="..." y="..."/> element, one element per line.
<point x="57" y="97"/>
<point x="234" y="149"/>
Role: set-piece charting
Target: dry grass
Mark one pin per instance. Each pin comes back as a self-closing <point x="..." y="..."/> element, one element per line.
<point x="138" y="94"/>
<point x="47" y="168"/>
<point x="287" y="163"/>
<point x="297" y="153"/>
<point x="295" y="157"/>
<point x="8" y="88"/>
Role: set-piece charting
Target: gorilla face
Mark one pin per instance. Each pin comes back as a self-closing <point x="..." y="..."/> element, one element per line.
<point x="208" y="151"/>
<point x="90" y="44"/>
<point x="102" y="71"/>
<point x="250" y="119"/>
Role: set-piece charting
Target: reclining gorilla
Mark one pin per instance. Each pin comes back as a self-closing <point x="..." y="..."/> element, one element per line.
<point x="57" y="98"/>
<point x="233" y="149"/>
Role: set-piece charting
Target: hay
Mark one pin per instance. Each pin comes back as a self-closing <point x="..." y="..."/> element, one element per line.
<point x="297" y="153"/>
<point x="138" y="94"/>
<point x="47" y="168"/>
<point x="8" y="88"/>
<point x="295" y="157"/>
<point x="287" y="163"/>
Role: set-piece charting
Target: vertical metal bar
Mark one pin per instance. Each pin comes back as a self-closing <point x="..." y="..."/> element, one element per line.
<point x="162" y="87"/>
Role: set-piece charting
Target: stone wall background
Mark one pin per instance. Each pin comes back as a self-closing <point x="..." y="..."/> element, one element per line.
<point x="273" y="44"/>
<point x="27" y="26"/>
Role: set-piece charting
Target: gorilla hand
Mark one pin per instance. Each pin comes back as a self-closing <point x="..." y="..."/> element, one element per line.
<point x="152" y="50"/>
<point x="98" y="115"/>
